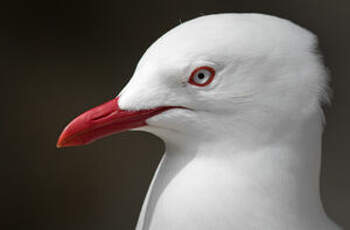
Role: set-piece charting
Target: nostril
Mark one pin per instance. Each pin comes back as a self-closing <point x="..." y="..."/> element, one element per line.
<point x="101" y="116"/>
<point x="103" y="111"/>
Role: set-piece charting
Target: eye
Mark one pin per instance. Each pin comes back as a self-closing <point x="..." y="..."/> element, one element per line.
<point x="202" y="76"/>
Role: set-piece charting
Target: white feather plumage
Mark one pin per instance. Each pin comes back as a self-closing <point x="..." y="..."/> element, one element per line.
<point x="247" y="156"/>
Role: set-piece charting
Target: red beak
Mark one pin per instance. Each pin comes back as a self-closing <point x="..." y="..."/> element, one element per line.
<point x="104" y="120"/>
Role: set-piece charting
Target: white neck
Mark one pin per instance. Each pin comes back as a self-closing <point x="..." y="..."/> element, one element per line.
<point x="217" y="186"/>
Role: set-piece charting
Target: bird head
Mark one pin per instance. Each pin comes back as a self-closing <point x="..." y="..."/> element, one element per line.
<point x="227" y="75"/>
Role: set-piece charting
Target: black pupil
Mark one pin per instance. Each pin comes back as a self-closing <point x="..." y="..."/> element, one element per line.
<point x="201" y="76"/>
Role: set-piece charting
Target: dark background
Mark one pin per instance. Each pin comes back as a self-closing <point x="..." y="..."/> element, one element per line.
<point x="59" y="58"/>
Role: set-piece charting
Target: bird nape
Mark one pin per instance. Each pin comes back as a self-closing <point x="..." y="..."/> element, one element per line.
<point x="237" y="100"/>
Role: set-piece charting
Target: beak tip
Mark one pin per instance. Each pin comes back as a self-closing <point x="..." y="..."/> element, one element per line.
<point x="61" y="142"/>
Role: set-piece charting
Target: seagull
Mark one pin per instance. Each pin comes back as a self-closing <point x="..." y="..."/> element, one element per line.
<point x="237" y="100"/>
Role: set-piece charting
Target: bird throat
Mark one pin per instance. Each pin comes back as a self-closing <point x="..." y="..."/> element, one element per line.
<point x="219" y="186"/>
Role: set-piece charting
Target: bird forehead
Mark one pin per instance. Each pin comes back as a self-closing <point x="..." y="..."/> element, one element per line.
<point x="229" y="35"/>
<point x="214" y="37"/>
<point x="201" y="37"/>
<point x="255" y="42"/>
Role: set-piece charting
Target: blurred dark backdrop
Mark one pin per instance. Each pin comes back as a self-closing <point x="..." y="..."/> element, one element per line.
<point x="59" y="58"/>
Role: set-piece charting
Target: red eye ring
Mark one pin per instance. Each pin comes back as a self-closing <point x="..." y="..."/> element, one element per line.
<point x="193" y="74"/>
